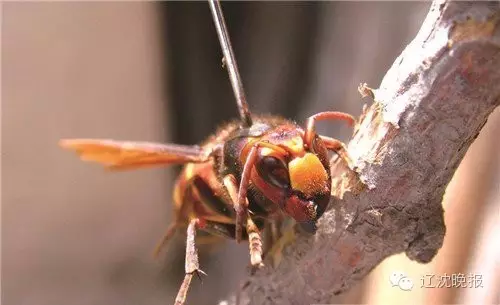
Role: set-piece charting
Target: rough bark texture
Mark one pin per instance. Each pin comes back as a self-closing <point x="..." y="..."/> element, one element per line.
<point x="429" y="108"/>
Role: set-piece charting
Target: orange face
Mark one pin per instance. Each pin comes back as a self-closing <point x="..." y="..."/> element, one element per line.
<point x="298" y="181"/>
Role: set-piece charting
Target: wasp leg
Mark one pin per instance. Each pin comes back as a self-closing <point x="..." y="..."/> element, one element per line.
<point x="171" y="230"/>
<point x="228" y="230"/>
<point x="339" y="148"/>
<point x="192" y="264"/>
<point x="241" y="205"/>
<point x="254" y="243"/>
<point x="269" y="237"/>
<point x="272" y="234"/>
<point x="327" y="115"/>
<point x="235" y="193"/>
<point x="287" y="237"/>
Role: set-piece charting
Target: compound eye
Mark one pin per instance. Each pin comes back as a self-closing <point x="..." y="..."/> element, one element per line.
<point x="273" y="171"/>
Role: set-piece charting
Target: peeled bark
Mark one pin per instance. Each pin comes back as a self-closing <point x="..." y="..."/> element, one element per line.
<point x="428" y="110"/>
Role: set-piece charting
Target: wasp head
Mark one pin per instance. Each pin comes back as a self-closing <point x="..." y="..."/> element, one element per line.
<point x="298" y="180"/>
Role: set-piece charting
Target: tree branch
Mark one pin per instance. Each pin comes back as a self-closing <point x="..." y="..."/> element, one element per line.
<point x="429" y="108"/>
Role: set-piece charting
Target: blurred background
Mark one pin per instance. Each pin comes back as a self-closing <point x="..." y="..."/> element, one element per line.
<point x="73" y="234"/>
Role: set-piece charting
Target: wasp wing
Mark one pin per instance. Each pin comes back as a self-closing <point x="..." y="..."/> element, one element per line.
<point x="120" y="155"/>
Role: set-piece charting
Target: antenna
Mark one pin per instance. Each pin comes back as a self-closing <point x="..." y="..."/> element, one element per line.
<point x="230" y="62"/>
